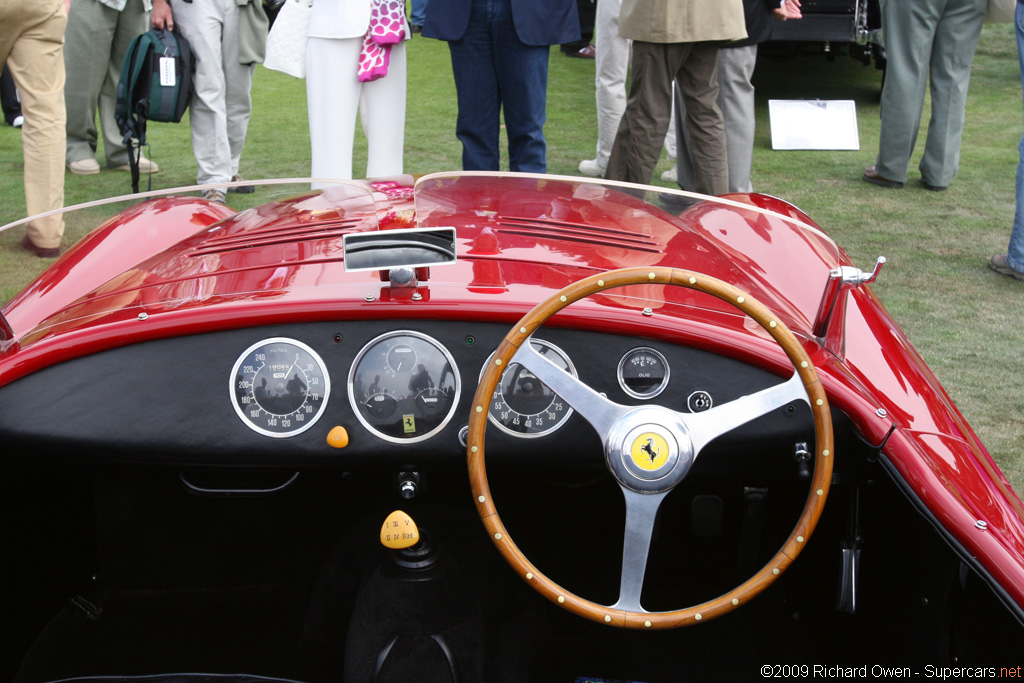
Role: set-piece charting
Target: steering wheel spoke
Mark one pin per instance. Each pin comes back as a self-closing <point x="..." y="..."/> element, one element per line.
<point x="707" y="426"/>
<point x="641" y="513"/>
<point x="595" y="408"/>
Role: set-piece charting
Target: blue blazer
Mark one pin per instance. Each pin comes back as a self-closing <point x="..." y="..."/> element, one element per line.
<point x="537" y="22"/>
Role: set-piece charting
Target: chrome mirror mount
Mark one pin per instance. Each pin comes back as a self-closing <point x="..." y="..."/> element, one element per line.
<point x="833" y="301"/>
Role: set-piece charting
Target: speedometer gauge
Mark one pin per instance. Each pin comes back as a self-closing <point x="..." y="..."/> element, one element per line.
<point x="404" y="386"/>
<point x="279" y="387"/>
<point x="524" y="406"/>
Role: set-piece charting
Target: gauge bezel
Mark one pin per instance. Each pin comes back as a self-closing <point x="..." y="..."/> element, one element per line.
<point x="657" y="390"/>
<point x="247" y="421"/>
<point x="423" y="337"/>
<point x="532" y="435"/>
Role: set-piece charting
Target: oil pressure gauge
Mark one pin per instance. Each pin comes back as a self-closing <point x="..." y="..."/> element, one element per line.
<point x="643" y="373"/>
<point x="279" y="387"/>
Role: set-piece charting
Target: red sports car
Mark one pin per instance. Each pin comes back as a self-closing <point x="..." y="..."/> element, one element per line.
<point x="486" y="427"/>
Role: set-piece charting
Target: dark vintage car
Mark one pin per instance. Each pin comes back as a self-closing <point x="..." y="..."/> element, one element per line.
<point x="486" y="427"/>
<point x="834" y="27"/>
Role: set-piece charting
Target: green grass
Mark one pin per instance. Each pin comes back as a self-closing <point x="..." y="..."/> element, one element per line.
<point x="966" y="321"/>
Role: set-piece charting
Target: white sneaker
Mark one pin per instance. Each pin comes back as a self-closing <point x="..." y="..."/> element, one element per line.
<point x="18" y="121"/>
<point x="145" y="166"/>
<point x="671" y="175"/>
<point x="591" y="168"/>
<point x="84" y="167"/>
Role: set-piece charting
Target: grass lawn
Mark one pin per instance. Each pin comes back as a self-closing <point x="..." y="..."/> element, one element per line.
<point x="966" y="321"/>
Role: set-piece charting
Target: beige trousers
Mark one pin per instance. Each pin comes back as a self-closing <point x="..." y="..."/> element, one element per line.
<point x="96" y="41"/>
<point x="32" y="43"/>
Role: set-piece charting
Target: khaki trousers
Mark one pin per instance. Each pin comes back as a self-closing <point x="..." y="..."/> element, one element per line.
<point x="31" y="42"/>
<point x="96" y="41"/>
<point x="694" y="67"/>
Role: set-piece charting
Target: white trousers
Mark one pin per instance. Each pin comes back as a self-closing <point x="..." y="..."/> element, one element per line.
<point x="220" y="108"/>
<point x="335" y="95"/>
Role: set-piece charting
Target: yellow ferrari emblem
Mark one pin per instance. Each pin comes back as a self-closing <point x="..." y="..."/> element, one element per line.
<point x="649" y="451"/>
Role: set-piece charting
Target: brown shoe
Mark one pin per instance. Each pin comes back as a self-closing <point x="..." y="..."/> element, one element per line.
<point x="585" y="52"/>
<point x="871" y="175"/>
<point x="998" y="263"/>
<point x="29" y="245"/>
<point x="241" y="189"/>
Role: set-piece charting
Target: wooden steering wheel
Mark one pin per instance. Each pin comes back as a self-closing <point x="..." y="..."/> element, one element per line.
<point x="649" y="450"/>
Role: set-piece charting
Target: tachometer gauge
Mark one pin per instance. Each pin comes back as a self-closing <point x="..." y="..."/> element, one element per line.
<point x="524" y="406"/>
<point x="404" y="386"/>
<point x="279" y="387"/>
<point x="643" y="373"/>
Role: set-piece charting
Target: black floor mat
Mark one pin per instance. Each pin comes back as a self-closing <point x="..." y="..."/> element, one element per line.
<point x="255" y="630"/>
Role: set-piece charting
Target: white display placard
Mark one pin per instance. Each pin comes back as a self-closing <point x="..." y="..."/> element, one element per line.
<point x="814" y="124"/>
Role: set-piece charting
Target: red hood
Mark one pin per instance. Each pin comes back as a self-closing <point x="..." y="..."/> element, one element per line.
<point x="515" y="236"/>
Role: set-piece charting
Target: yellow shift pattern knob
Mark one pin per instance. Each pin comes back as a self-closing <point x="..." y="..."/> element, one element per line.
<point x="399" y="531"/>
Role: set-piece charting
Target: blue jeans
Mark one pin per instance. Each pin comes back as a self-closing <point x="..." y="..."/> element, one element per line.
<point x="1015" y="252"/>
<point x="418" y="15"/>
<point x="494" y="70"/>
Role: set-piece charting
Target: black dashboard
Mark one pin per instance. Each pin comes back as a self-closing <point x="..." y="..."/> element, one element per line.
<point x="400" y="391"/>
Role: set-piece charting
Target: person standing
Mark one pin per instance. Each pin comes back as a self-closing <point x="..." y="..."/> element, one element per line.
<point x="1012" y="262"/>
<point x="337" y="87"/>
<point x="32" y="44"/>
<point x="418" y="15"/>
<point x="611" y="68"/>
<point x="925" y="40"/>
<point x="228" y="39"/>
<point x="583" y="48"/>
<point x="499" y="51"/>
<point x="95" y="43"/>
<point x="9" y="99"/>
<point x="736" y="62"/>
<point x="675" y="40"/>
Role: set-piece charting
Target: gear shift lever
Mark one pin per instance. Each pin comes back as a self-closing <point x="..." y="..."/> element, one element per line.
<point x="410" y="549"/>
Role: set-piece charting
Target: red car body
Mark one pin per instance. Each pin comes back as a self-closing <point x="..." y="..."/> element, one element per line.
<point x="181" y="267"/>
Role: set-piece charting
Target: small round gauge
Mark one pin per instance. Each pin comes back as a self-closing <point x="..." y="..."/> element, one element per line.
<point x="643" y="373"/>
<point x="404" y="386"/>
<point x="279" y="387"/>
<point x="401" y="358"/>
<point x="524" y="406"/>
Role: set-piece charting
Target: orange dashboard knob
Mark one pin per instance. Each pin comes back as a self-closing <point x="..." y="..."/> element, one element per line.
<point x="338" y="437"/>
